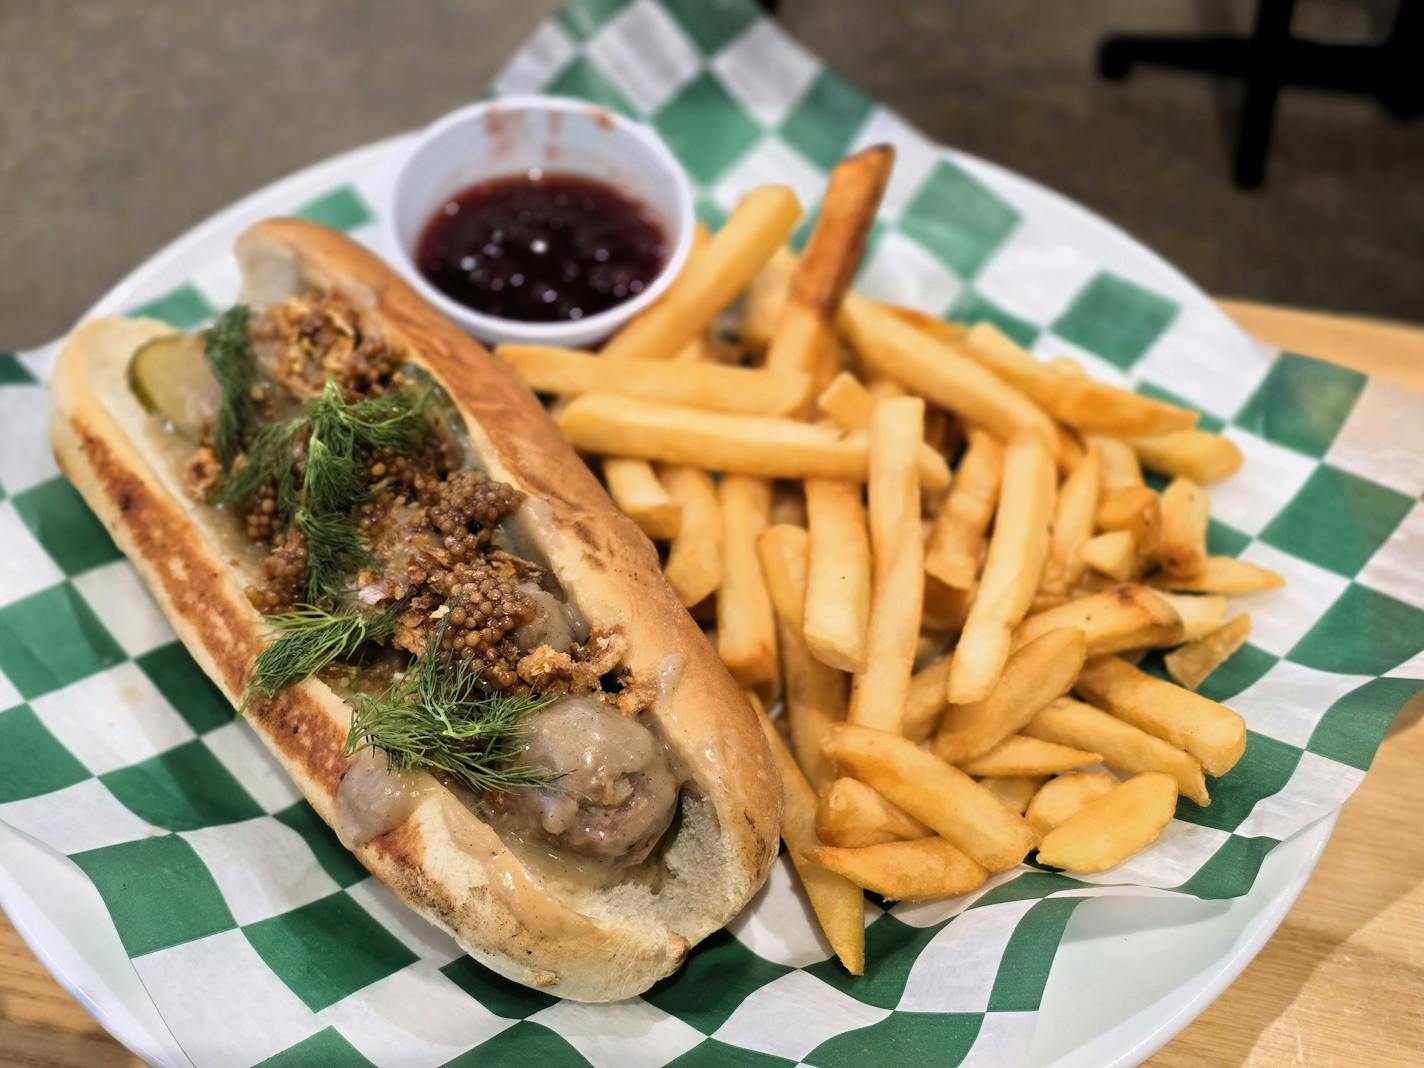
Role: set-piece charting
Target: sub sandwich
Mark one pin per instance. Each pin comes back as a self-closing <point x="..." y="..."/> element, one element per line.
<point x="372" y="538"/>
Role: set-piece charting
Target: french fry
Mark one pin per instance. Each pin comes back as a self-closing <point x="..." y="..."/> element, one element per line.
<point x="838" y="573"/>
<point x="698" y="385"/>
<point x="1181" y="544"/>
<point x="1059" y="799"/>
<point x="837" y="902"/>
<point x="846" y="400"/>
<point x="1128" y="617"/>
<point x="639" y="495"/>
<point x="1113" y="554"/>
<point x="936" y="794"/>
<point x="940" y="373"/>
<point x="1081" y="402"/>
<point x="928" y="699"/>
<point x="1212" y="733"/>
<point x="1019" y="754"/>
<point x="1192" y="454"/>
<point x="1034" y="675"/>
<point x="1012" y="569"/>
<point x="905" y="871"/>
<point x="952" y="555"/>
<point x="1015" y="791"/>
<point x="815" y="694"/>
<point x="852" y="815"/>
<point x="1190" y="665"/>
<point x="945" y="609"/>
<point x="1201" y="613"/>
<point x="1120" y="468"/>
<point x="850" y="404"/>
<point x="1222" y="574"/>
<point x="1109" y="829"/>
<point x="765" y="298"/>
<point x="1066" y="365"/>
<point x="1072" y="522"/>
<point x="694" y="559"/>
<point x="880" y="690"/>
<point x="746" y="627"/>
<point x="937" y="328"/>
<point x="759" y="225"/>
<point x="765" y="446"/>
<point x="1125" y="748"/>
<point x="805" y="333"/>
<point x="1135" y="509"/>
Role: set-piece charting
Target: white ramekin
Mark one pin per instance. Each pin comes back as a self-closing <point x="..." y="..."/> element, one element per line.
<point x="511" y="136"/>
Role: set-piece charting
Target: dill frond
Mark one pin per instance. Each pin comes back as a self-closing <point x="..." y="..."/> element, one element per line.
<point x="442" y="717"/>
<point x="310" y="638"/>
<point x="229" y="354"/>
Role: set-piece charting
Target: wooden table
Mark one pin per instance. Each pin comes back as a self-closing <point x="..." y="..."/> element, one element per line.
<point x="1341" y="982"/>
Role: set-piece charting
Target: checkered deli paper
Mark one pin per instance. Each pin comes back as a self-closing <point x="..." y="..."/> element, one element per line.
<point x="261" y="940"/>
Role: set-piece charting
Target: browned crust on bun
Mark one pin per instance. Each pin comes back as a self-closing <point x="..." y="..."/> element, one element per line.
<point x="443" y="861"/>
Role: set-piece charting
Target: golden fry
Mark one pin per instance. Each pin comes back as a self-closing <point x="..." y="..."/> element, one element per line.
<point x="764" y="446"/>
<point x="639" y="495"/>
<point x="1060" y="799"/>
<point x="1109" y="829"/>
<point x="1081" y="402"/>
<point x="1201" y="613"/>
<point x="765" y="298"/>
<point x="1212" y="733"/>
<point x="906" y="871"/>
<point x="698" y="385"/>
<point x="1012" y="569"/>
<point x="1034" y="675"/>
<point x="928" y="699"/>
<point x="940" y="372"/>
<point x="746" y="628"/>
<point x="805" y="333"/>
<point x="838" y="903"/>
<point x="1019" y="754"/>
<point x="756" y="228"/>
<point x="1135" y="509"/>
<point x="852" y="815"/>
<point x="1181" y="544"/>
<point x="1120" y="467"/>
<point x="1113" y="554"/>
<point x="1072" y="523"/>
<point x="1222" y="574"/>
<point x="1125" y="748"/>
<point x="1015" y="791"/>
<point x="694" y="559"/>
<point x="850" y="404"/>
<point x="955" y="542"/>
<point x="1190" y="665"/>
<point x="838" y="574"/>
<point x="815" y="693"/>
<point x="945" y="609"/>
<point x="1128" y="617"/>
<point x="936" y="794"/>
<point x="880" y="690"/>
<point x="1192" y="454"/>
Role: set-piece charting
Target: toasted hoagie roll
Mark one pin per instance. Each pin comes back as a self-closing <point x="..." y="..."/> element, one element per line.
<point x="372" y="482"/>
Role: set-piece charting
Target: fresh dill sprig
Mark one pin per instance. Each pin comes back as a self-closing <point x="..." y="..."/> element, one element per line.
<point x="441" y="716"/>
<point x="228" y="352"/>
<point x="314" y="462"/>
<point x="309" y="638"/>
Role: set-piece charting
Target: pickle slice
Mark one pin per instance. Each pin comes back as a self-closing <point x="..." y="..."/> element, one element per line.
<point x="170" y="377"/>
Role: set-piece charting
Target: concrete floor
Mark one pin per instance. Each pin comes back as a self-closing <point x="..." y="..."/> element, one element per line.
<point x="125" y="122"/>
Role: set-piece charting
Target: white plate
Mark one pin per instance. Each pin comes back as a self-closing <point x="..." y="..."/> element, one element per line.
<point x="1130" y="973"/>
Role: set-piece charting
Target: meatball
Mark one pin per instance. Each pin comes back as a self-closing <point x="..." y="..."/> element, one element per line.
<point x="616" y="792"/>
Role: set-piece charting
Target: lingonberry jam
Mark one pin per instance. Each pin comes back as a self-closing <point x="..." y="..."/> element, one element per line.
<point x="541" y="247"/>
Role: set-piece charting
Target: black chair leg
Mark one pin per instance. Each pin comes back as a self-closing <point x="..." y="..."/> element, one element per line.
<point x="1263" y="89"/>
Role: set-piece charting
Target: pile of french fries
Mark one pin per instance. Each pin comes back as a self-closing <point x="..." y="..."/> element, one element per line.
<point x="921" y="540"/>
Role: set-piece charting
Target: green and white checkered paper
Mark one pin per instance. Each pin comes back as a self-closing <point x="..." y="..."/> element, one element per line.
<point x="260" y="939"/>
